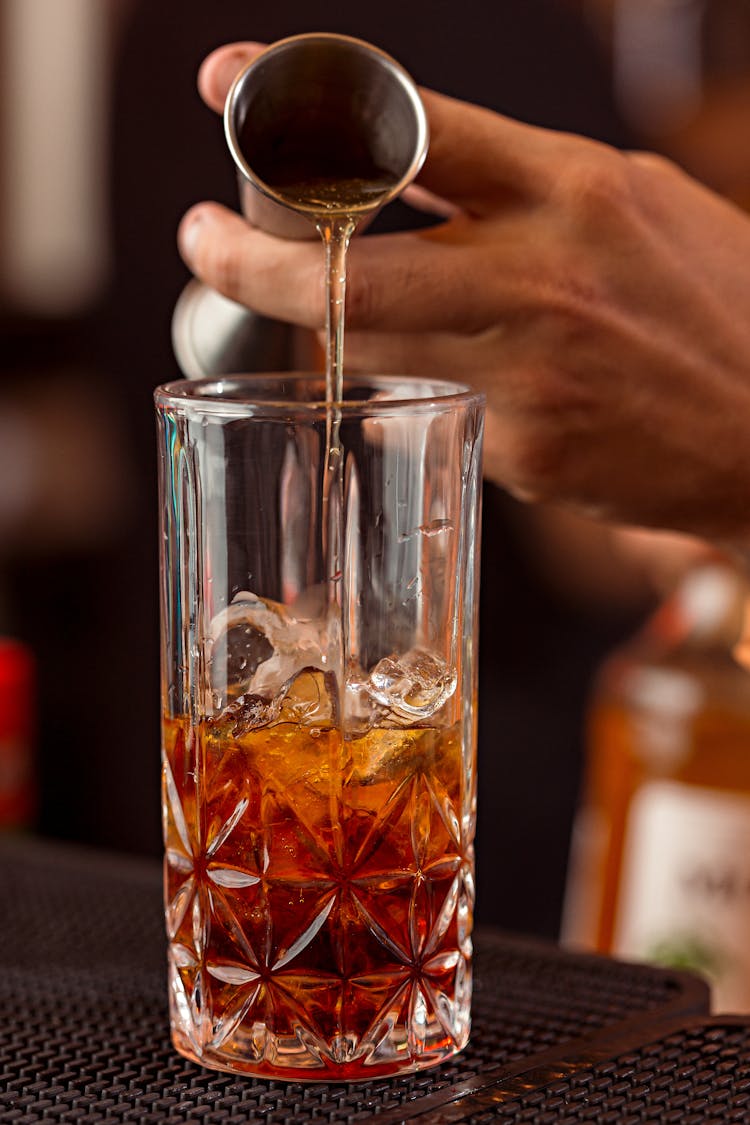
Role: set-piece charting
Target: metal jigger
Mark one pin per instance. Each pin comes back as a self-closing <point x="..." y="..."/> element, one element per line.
<point x="319" y="98"/>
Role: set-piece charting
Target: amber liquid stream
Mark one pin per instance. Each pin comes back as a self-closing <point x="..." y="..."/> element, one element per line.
<point x="335" y="205"/>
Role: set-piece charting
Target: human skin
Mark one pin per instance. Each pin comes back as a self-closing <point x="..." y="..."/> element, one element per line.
<point x="601" y="300"/>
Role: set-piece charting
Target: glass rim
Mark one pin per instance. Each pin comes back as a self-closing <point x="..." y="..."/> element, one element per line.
<point x="209" y="396"/>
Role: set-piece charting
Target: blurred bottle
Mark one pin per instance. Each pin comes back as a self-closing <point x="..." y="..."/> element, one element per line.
<point x="17" y="769"/>
<point x="660" y="864"/>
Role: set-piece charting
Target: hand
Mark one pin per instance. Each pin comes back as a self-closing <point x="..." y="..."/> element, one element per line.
<point x="599" y="299"/>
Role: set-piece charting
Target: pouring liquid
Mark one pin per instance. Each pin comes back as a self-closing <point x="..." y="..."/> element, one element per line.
<point x="335" y="205"/>
<point x="325" y="170"/>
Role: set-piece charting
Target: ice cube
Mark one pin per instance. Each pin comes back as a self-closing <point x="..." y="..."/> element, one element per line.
<point x="412" y="686"/>
<point x="249" y="712"/>
<point x="309" y="699"/>
<point x="362" y="712"/>
<point x="236" y="655"/>
<point x="305" y="699"/>
<point x="257" y="647"/>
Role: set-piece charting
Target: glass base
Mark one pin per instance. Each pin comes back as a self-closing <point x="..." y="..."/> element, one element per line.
<point x="310" y="1068"/>
<point x="417" y="1027"/>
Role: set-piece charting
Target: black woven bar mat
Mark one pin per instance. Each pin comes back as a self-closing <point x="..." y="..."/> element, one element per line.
<point x="83" y="1027"/>
<point x="695" y="1074"/>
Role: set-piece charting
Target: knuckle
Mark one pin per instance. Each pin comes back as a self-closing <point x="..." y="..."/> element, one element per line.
<point x="655" y="178"/>
<point x="597" y="185"/>
<point x="653" y="164"/>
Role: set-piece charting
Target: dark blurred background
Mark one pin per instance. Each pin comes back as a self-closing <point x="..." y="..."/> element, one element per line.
<point x="104" y="145"/>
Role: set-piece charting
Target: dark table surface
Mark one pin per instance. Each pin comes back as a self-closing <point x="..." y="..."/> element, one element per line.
<point x="556" y="1036"/>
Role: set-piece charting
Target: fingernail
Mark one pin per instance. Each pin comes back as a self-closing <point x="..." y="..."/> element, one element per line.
<point x="188" y="236"/>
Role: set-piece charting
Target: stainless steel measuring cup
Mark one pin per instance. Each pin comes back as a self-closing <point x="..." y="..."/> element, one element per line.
<point x="321" y="98"/>
<point x="327" y="101"/>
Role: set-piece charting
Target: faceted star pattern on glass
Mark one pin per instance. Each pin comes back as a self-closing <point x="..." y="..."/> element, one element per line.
<point x="319" y="897"/>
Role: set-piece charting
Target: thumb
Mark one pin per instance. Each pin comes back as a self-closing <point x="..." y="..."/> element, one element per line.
<point x="219" y="70"/>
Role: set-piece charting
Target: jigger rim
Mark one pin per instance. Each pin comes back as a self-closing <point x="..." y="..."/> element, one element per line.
<point x="309" y="38"/>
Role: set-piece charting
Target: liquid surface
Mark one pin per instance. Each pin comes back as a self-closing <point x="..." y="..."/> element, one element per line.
<point x="350" y="197"/>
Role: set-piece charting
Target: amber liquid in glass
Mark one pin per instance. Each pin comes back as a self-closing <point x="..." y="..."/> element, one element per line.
<point x="318" y="896"/>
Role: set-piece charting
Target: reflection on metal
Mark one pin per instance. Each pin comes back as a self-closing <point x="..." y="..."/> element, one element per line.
<point x="213" y="336"/>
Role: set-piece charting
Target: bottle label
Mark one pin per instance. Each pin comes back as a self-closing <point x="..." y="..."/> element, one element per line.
<point x="684" y="896"/>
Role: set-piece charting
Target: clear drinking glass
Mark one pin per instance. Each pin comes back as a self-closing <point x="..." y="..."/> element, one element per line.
<point x="319" y="617"/>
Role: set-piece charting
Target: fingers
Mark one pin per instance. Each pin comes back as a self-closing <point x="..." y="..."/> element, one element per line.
<point x="396" y="283"/>
<point x="479" y="159"/>
<point x="219" y="70"/>
<point x="276" y="277"/>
